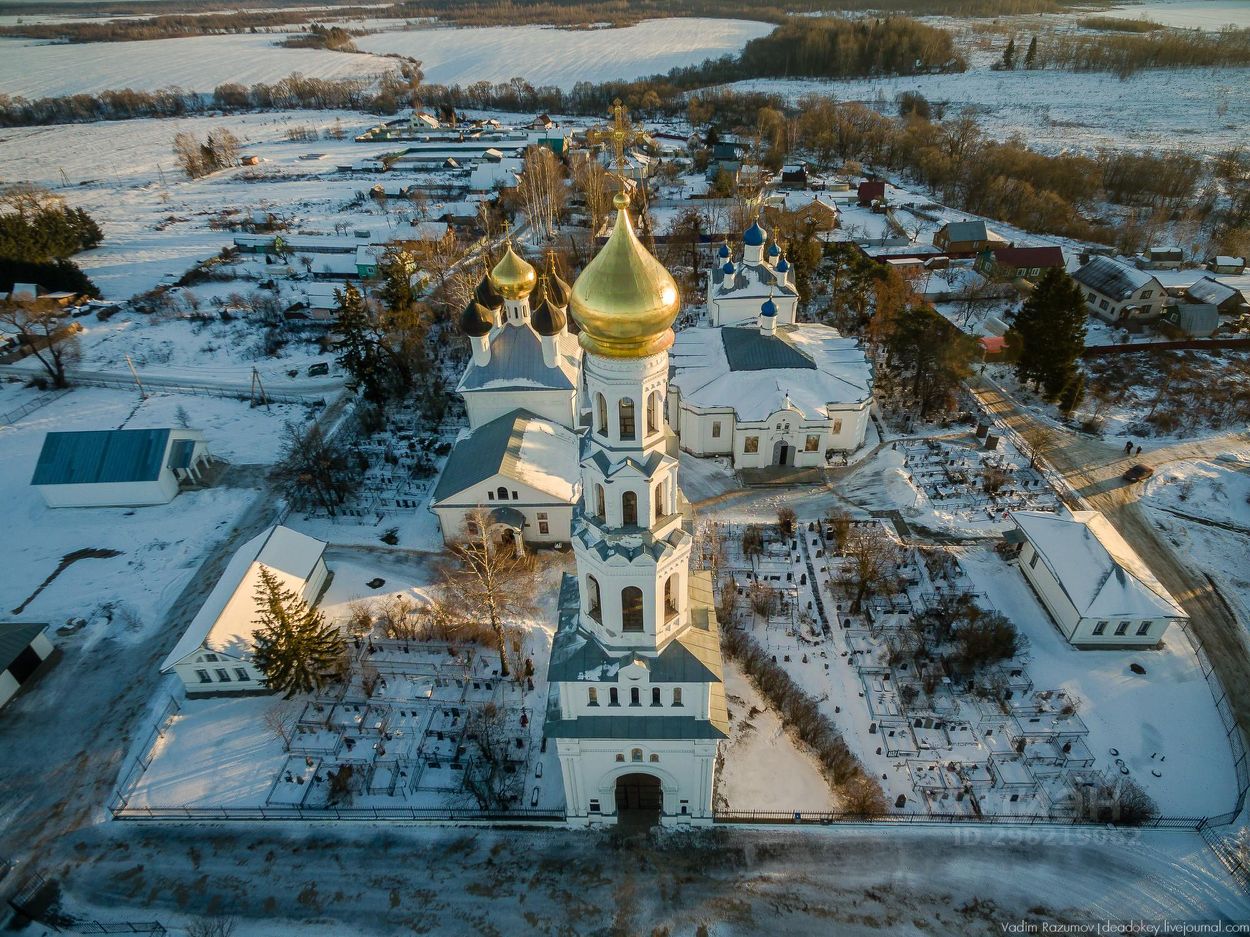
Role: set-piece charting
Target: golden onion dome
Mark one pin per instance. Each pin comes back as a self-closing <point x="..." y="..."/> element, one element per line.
<point x="513" y="276"/>
<point x="624" y="301"/>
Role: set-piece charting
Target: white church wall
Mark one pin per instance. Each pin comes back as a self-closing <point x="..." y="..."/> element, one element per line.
<point x="558" y="406"/>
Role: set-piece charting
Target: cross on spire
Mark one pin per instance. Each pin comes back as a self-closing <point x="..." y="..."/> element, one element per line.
<point x="620" y="134"/>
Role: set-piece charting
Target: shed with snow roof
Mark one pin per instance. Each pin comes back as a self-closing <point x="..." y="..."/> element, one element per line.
<point x="1098" y="591"/>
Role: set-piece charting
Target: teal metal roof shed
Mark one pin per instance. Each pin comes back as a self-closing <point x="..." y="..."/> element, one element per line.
<point x="101" y="456"/>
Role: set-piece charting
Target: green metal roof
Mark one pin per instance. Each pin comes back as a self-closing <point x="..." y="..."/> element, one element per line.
<point x="101" y="456"/>
<point x="751" y="350"/>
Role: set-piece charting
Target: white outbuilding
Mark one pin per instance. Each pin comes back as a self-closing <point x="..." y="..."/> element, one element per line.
<point x="1097" y="589"/>
<point x="118" y="467"/>
<point x="214" y="655"/>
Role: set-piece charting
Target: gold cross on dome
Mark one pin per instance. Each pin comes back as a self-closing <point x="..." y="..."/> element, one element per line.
<point x="620" y="133"/>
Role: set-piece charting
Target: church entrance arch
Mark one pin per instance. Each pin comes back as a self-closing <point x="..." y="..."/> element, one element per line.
<point x="639" y="800"/>
<point x="783" y="454"/>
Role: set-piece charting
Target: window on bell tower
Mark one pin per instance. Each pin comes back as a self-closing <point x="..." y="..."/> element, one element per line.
<point x="625" y="413"/>
<point x="601" y="415"/>
<point x="631" y="608"/>
<point x="653" y="412"/>
<point x="629" y="509"/>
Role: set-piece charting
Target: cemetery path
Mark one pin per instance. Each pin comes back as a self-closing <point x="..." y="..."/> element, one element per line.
<point x="1093" y="468"/>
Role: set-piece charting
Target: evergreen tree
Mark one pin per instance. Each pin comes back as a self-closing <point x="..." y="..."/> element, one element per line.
<point x="294" y="647"/>
<point x="1030" y="57"/>
<point x="1009" y="54"/>
<point x="357" y="346"/>
<point x="1048" y="333"/>
<point x="1073" y="393"/>
<point x="404" y="320"/>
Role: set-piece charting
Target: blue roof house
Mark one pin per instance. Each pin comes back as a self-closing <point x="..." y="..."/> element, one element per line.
<point x="118" y="468"/>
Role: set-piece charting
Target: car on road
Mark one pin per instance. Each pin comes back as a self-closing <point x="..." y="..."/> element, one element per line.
<point x="1137" y="473"/>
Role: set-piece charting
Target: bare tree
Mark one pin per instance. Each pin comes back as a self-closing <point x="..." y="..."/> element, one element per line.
<point x="542" y="191"/>
<point x="211" y="927"/>
<point x="594" y="184"/>
<point x="47" y="331"/>
<point x="873" y="556"/>
<point x="484" y="581"/>
<point x="315" y="471"/>
<point x="488" y="779"/>
<point x="280" y="720"/>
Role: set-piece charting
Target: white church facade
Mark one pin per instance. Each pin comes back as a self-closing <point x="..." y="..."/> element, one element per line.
<point x="636" y="702"/>
<point x="517" y="463"/>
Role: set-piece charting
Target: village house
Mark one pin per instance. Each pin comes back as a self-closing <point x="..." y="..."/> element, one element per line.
<point x="1228" y="301"/>
<point x="214" y="656"/>
<point x="869" y="191"/>
<point x="966" y="238"/>
<point x="1161" y="258"/>
<point x="1018" y="263"/>
<point x="1097" y="590"/>
<point x="1191" y="320"/>
<point x="1227" y="265"/>
<point x="1118" y="293"/>
<point x="118" y="467"/>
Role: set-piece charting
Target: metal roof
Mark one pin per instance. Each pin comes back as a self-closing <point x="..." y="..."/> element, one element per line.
<point x="15" y="637"/>
<point x="516" y="359"/>
<point x="967" y="231"/>
<point x="494" y="448"/>
<point x="749" y="349"/>
<point x="1111" y="278"/>
<point x="1209" y="290"/>
<point x="101" y="456"/>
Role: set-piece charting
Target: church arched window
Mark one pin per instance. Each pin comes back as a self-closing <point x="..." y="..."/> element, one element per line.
<point x="501" y="493"/>
<point x="600" y="508"/>
<point x="658" y="497"/>
<point x="670" y="596"/>
<point x="653" y="412"/>
<point x="593" y="608"/>
<point x="601" y="415"/>
<point x="631" y="608"/>
<point x="625" y="413"/>
<point x="629" y="509"/>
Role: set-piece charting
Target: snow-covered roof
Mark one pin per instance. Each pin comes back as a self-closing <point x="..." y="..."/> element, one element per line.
<point x="1099" y="572"/>
<point x="109" y="456"/>
<point x="749" y="280"/>
<point x="1208" y="290"/>
<point x="227" y="618"/>
<point x="1111" y="278"/>
<point x="520" y="446"/>
<point x="809" y="366"/>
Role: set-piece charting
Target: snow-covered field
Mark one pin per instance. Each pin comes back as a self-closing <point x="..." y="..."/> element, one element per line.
<point x="35" y="69"/>
<point x="1219" y="493"/>
<point x="544" y="55"/>
<point x="1055" y="110"/>
<point x="541" y="55"/>
<point x="1187" y="14"/>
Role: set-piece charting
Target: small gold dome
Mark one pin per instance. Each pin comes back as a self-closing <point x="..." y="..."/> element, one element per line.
<point x="624" y="301"/>
<point x="513" y="276"/>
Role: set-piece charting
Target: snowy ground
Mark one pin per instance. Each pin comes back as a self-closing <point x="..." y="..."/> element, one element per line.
<point x="544" y="55"/>
<point x="792" y="779"/>
<point x="1201" y="489"/>
<point x="1162" y="721"/>
<point x="1057" y="110"/>
<point x="1210" y="15"/>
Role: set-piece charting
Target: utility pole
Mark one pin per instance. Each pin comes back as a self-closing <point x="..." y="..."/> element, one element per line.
<point x="143" y="395"/>
<point x="258" y="391"/>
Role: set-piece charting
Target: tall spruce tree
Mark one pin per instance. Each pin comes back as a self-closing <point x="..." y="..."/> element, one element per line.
<point x="358" y="349"/>
<point x="294" y="647"/>
<point x="1048" y="334"/>
<point x="1030" y="57"/>
<point x="1009" y="54"/>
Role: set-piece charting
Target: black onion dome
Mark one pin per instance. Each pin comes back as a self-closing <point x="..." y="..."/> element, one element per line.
<point x="547" y="318"/>
<point x="476" y="320"/>
<point x="486" y="295"/>
<point x="557" y="290"/>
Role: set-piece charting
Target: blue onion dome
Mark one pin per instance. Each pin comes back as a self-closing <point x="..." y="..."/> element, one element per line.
<point x="769" y="308"/>
<point x="724" y="251"/>
<point x="486" y="295"/>
<point x="728" y="269"/>
<point x="476" y="320"/>
<point x="546" y="317"/>
<point x="755" y="236"/>
<point x="783" y="265"/>
<point x="773" y="249"/>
